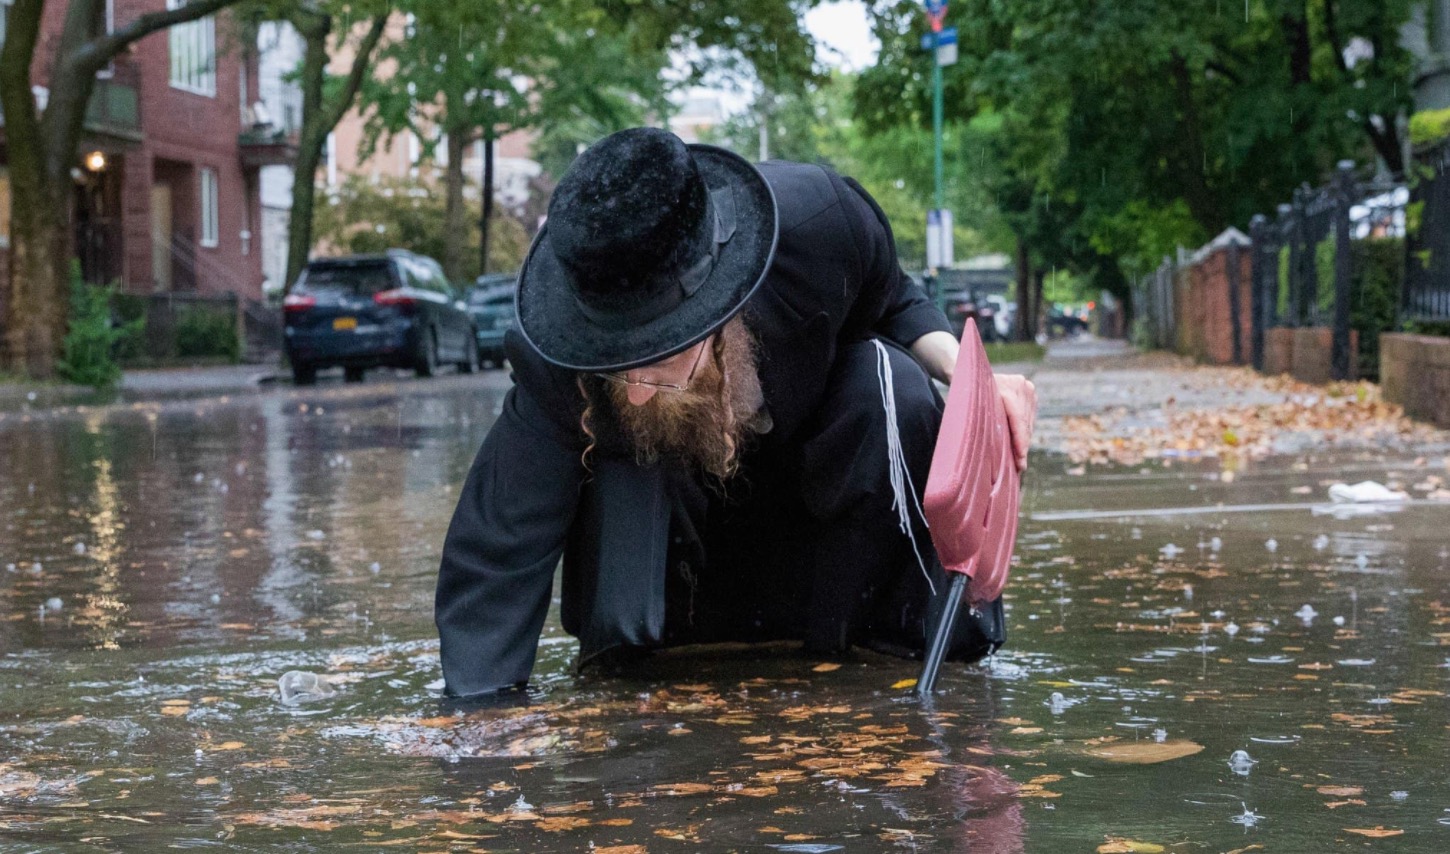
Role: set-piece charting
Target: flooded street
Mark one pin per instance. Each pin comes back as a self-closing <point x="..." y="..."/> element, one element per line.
<point x="1194" y="663"/>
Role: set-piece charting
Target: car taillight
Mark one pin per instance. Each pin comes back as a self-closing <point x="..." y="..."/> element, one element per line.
<point x="396" y="297"/>
<point x="298" y="302"/>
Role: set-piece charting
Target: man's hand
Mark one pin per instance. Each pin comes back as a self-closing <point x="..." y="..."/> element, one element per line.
<point x="1019" y="397"/>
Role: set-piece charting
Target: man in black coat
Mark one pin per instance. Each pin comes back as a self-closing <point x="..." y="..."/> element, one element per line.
<point x="722" y="420"/>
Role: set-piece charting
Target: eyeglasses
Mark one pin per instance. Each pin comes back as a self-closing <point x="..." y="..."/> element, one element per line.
<point x="622" y="379"/>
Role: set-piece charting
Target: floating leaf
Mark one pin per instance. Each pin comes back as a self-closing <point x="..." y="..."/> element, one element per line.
<point x="1376" y="832"/>
<point x="1341" y="791"/>
<point x="1118" y="845"/>
<point x="1145" y="752"/>
<point x="827" y="667"/>
<point x="904" y="683"/>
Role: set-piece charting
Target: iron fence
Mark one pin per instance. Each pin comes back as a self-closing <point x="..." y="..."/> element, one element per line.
<point x="1319" y="264"/>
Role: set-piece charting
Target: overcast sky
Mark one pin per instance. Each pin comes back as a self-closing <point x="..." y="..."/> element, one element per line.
<point x="843" y="40"/>
<point x="843" y="34"/>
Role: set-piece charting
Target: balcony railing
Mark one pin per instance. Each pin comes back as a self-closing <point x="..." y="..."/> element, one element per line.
<point x="267" y="146"/>
<point x="115" y="109"/>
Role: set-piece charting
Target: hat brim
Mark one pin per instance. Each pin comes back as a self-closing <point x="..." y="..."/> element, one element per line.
<point x="553" y="324"/>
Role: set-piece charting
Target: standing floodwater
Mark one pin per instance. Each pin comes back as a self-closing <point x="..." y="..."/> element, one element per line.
<point x="1195" y="662"/>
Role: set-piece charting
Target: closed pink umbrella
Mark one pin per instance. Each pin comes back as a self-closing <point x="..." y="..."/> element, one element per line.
<point x="972" y="495"/>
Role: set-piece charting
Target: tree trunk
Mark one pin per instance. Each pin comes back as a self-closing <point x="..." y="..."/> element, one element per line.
<point x="319" y="117"/>
<point x="1023" y="327"/>
<point x="485" y="215"/>
<point x="1191" y="164"/>
<point x="455" y="220"/>
<point x="311" y="138"/>
<point x="1038" y="309"/>
<point x="39" y="283"/>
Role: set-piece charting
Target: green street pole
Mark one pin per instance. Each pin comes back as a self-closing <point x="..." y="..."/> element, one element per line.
<point x="936" y="121"/>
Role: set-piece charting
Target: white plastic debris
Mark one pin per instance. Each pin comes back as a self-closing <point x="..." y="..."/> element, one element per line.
<point x="1307" y="614"/>
<point x="1231" y="629"/>
<point x="54" y="604"/>
<point x="1364" y="492"/>
<point x="299" y="686"/>
<point x="1271" y="544"/>
<point x="1321" y="542"/>
<point x="79" y="548"/>
<point x="1170" y="551"/>
<point x="1241" y="763"/>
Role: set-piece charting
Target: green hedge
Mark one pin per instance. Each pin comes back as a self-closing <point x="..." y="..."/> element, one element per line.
<point x="1379" y="274"/>
<point x="204" y="333"/>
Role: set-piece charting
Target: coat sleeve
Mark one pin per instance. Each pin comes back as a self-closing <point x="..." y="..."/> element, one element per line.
<point x="895" y="306"/>
<point x="504" y="542"/>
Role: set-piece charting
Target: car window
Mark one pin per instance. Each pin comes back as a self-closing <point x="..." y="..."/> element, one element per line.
<point x="358" y="279"/>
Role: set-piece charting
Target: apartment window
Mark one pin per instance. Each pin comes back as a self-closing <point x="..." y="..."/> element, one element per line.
<point x="209" y="208"/>
<point x="193" y="54"/>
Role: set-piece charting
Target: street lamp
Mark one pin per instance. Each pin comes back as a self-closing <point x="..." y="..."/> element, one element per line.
<point x="96" y="161"/>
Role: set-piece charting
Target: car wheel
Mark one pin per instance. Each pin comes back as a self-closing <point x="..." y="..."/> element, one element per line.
<point x="353" y="375"/>
<point x="470" y="355"/>
<point x="428" y="359"/>
<point x="304" y="374"/>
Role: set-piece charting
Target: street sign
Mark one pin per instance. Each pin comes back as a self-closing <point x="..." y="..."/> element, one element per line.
<point x="939" y="239"/>
<point x="946" y="55"/>
<point x="945" y="37"/>
<point x="935" y="7"/>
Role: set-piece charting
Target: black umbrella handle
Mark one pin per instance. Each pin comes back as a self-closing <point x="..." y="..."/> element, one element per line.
<point x="942" y="636"/>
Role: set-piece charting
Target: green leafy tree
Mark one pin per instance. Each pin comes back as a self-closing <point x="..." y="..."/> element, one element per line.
<point x="367" y="217"/>
<point x="580" y="68"/>
<point x="1146" y="123"/>
<point x="327" y="27"/>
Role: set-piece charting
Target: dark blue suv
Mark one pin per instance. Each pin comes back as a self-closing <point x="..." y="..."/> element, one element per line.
<point x="363" y="311"/>
<point x="491" y="305"/>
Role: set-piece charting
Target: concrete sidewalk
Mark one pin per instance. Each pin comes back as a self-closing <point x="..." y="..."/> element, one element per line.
<point x="219" y="379"/>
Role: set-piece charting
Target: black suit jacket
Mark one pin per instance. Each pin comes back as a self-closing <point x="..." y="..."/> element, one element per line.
<point x="528" y="498"/>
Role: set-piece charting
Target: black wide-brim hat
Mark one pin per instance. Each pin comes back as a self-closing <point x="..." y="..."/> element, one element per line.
<point x="650" y="246"/>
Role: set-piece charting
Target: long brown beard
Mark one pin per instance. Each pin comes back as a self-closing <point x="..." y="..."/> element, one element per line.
<point x="704" y="425"/>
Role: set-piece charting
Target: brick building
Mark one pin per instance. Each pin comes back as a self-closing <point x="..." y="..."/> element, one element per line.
<point x="166" y="181"/>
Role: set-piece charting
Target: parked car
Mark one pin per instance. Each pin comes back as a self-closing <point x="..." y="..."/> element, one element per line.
<point x="964" y="306"/>
<point x="1066" y="321"/>
<point x="363" y="311"/>
<point x="1003" y="316"/>
<point x="491" y="305"/>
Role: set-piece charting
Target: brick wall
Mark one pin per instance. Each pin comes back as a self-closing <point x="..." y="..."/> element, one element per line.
<point x="1415" y="373"/>
<point x="1204" y="311"/>
<point x="182" y="132"/>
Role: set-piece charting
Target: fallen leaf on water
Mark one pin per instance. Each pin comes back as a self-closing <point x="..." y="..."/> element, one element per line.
<point x="904" y="683"/>
<point x="681" y="788"/>
<point x="1340" y="791"/>
<point x="563" y="822"/>
<point x="1254" y="847"/>
<point x="621" y="849"/>
<point x="229" y="745"/>
<point x="1026" y="730"/>
<point x="207" y="781"/>
<point x="1376" y="832"/>
<point x="1349" y="802"/>
<point x="1117" y="845"/>
<point x="1146" y="752"/>
<point x="826" y="668"/>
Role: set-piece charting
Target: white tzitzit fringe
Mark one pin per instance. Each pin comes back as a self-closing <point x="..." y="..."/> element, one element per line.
<point x="901" y="485"/>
